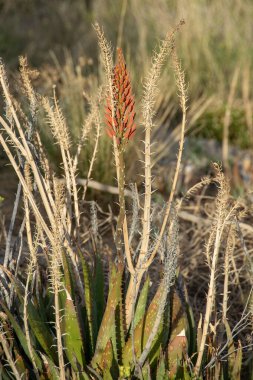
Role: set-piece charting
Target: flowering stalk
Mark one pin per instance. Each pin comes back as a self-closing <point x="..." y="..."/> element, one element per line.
<point x="120" y="115"/>
<point x="121" y="125"/>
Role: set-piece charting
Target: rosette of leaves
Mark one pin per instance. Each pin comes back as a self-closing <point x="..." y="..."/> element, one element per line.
<point x="95" y="340"/>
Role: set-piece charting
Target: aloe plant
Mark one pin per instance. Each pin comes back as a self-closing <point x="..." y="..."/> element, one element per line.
<point x="105" y="349"/>
<point x="72" y="320"/>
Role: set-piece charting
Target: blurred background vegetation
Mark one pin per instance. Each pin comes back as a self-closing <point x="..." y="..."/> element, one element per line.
<point x="216" y="38"/>
<point x="214" y="45"/>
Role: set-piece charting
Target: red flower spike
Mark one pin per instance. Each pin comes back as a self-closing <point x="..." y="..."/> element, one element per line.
<point x="122" y="126"/>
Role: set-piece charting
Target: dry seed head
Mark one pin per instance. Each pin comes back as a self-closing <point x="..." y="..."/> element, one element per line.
<point x="223" y="193"/>
<point x="180" y="79"/>
<point x="151" y="81"/>
<point x="55" y="253"/>
<point x="57" y="123"/>
<point x="60" y="195"/>
<point x="35" y="246"/>
<point x="86" y="127"/>
<point x="18" y="108"/>
<point x="196" y="188"/>
<point x="42" y="155"/>
<point x="26" y="75"/>
<point x="121" y="125"/>
<point x="106" y="52"/>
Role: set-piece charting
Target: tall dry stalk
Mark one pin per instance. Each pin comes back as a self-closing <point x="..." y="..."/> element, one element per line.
<point x="225" y="213"/>
<point x="227" y="118"/>
<point x="230" y="245"/>
<point x="146" y="258"/>
<point x="6" y="347"/>
<point x="56" y="273"/>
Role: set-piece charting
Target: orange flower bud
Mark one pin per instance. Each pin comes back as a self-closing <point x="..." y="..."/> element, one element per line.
<point x="122" y="125"/>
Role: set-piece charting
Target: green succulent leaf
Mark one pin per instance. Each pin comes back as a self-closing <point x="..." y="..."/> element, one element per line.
<point x="89" y="300"/>
<point x="187" y="375"/>
<point x="38" y="325"/>
<point x="98" y="281"/>
<point x="68" y="275"/>
<point x="4" y="373"/>
<point x="51" y="371"/>
<point x="231" y="349"/>
<point x="142" y="302"/>
<point x="145" y="373"/>
<point x="236" y="374"/>
<point x="108" y="363"/>
<point x="21" y="336"/>
<point x="107" y="329"/>
<point x="142" y="332"/>
<point x="72" y="337"/>
<point x="178" y="344"/>
<point x="191" y="326"/>
<point x="19" y="363"/>
<point x="161" y="372"/>
<point x="107" y="375"/>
